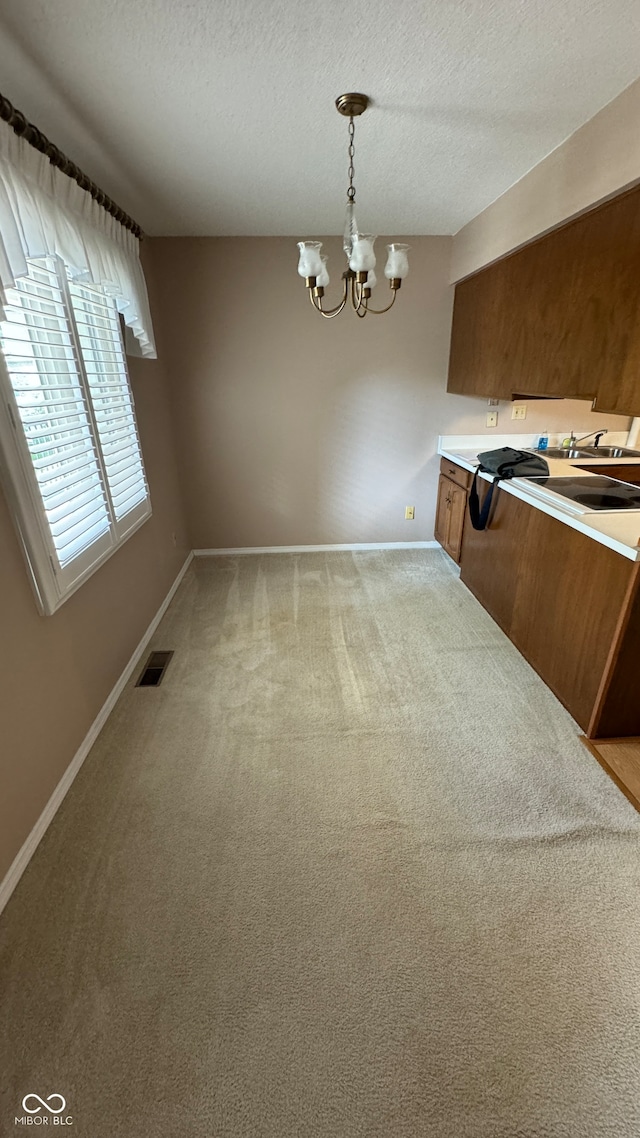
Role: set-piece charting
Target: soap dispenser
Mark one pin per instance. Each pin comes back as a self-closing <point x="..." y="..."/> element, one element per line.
<point x="543" y="441"/>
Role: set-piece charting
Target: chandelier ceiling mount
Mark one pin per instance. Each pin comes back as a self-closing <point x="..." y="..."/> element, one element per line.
<point x="353" y="104"/>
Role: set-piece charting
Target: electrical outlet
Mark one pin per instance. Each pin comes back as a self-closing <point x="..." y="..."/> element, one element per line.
<point x="409" y="513"/>
<point x="492" y="402"/>
<point x="519" y="411"/>
<point x="492" y="418"/>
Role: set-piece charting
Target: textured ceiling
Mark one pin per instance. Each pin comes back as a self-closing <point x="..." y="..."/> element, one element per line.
<point x="218" y="118"/>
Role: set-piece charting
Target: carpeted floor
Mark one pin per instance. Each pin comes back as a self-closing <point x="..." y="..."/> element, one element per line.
<point x="348" y="873"/>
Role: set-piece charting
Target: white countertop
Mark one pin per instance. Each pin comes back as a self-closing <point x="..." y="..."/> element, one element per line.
<point x="619" y="530"/>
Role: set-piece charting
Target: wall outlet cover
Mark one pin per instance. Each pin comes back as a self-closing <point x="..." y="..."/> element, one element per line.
<point x="519" y="411"/>
<point x="492" y="418"/>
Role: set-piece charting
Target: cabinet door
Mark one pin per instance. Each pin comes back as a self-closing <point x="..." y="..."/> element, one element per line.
<point x="610" y="300"/>
<point x="557" y="593"/>
<point x="457" y="510"/>
<point x="450" y="512"/>
<point x="491" y="557"/>
<point x="479" y="357"/>
<point x="441" y="528"/>
<point x="570" y="594"/>
<point x="518" y="325"/>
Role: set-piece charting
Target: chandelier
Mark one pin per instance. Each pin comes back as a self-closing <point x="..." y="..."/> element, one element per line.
<point x="359" y="278"/>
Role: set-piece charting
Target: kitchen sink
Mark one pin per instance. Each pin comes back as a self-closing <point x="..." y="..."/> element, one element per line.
<point x="589" y="452"/>
<point x="609" y="452"/>
<point x="562" y="452"/>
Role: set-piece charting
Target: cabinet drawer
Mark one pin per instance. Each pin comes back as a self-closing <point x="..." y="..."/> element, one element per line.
<point x="455" y="473"/>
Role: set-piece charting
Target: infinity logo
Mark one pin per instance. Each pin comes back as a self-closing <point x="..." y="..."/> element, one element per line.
<point x="43" y="1103"/>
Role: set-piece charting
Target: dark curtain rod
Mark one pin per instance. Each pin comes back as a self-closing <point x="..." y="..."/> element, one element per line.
<point x="22" y="127"/>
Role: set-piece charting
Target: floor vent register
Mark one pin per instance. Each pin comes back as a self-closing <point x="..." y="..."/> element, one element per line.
<point x="154" y="670"/>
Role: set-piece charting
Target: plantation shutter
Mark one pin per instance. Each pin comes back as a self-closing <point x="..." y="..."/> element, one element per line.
<point x="100" y="342"/>
<point x="38" y="347"/>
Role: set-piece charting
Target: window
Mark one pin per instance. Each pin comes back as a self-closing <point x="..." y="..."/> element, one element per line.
<point x="68" y="432"/>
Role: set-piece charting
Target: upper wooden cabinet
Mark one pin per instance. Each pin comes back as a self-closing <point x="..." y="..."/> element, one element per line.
<point x="559" y="318"/>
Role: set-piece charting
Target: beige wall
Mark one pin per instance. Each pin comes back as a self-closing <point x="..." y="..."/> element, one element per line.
<point x="57" y="671"/>
<point x="294" y="430"/>
<point x="599" y="160"/>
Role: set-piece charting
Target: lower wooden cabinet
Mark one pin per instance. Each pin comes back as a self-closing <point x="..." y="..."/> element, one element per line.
<point x="568" y="603"/>
<point x="451" y="508"/>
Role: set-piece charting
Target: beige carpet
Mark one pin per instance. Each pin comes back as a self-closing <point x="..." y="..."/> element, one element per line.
<point x="349" y="873"/>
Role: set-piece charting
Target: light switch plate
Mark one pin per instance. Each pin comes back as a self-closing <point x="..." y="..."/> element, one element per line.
<point x="519" y="411"/>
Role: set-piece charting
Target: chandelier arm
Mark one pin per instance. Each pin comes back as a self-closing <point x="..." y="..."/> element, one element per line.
<point x="317" y="304"/>
<point x="330" y="315"/>
<point x="380" y="311"/>
<point x="357" y="301"/>
<point x="353" y="294"/>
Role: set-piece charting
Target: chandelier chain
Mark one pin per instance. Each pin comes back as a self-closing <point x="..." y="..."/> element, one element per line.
<point x="351" y="192"/>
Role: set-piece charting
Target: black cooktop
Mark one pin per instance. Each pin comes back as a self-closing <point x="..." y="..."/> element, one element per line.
<point x="593" y="491"/>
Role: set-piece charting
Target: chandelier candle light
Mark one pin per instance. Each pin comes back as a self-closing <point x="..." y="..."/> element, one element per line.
<point x="359" y="278"/>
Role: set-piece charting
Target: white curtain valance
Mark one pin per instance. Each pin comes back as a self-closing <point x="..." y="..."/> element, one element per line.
<point x="44" y="212"/>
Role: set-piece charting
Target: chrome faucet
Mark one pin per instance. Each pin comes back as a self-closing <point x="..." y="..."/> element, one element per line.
<point x="598" y="435"/>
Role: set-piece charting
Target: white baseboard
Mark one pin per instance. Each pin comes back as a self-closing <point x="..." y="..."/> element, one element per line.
<point x="24" y="855"/>
<point x="358" y="547"/>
